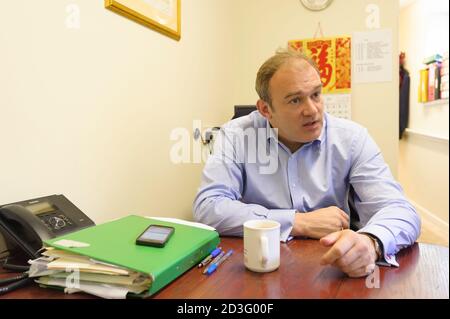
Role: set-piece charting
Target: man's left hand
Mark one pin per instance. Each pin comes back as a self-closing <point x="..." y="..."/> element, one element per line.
<point x="351" y="252"/>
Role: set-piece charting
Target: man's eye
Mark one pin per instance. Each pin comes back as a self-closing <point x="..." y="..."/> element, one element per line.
<point x="295" y="100"/>
<point x="316" y="95"/>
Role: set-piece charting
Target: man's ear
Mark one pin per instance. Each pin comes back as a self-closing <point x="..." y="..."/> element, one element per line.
<point x="264" y="108"/>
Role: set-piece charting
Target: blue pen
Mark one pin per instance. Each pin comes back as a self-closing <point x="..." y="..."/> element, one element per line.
<point x="215" y="260"/>
<point x="212" y="268"/>
<point x="213" y="254"/>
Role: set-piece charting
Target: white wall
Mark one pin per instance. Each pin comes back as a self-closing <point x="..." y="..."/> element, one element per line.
<point x="424" y="161"/>
<point x="424" y="31"/>
<point x="265" y="25"/>
<point x="88" y="112"/>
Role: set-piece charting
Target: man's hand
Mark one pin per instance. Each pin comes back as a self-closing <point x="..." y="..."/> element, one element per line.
<point x="351" y="252"/>
<point x="319" y="223"/>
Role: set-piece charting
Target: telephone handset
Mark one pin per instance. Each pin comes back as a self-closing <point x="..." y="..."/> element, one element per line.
<point x="24" y="225"/>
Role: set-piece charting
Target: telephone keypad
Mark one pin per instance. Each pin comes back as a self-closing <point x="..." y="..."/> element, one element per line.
<point x="56" y="221"/>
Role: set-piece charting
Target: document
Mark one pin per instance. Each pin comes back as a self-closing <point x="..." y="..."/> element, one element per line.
<point x="99" y="290"/>
<point x="372" y="56"/>
<point x="76" y="273"/>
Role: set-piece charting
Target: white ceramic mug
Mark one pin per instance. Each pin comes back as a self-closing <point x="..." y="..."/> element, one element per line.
<point x="262" y="245"/>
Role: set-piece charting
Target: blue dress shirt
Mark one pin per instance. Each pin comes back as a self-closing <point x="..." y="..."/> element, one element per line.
<point x="319" y="174"/>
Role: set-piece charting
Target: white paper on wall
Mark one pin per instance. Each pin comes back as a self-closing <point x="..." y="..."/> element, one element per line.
<point x="372" y="56"/>
<point x="339" y="105"/>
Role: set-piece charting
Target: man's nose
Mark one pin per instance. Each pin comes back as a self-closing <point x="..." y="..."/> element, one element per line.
<point x="310" y="108"/>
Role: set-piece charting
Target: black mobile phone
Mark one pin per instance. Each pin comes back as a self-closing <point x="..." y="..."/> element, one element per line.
<point x="155" y="235"/>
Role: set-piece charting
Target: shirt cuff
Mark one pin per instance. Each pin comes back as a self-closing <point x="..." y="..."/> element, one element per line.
<point x="385" y="237"/>
<point x="286" y="218"/>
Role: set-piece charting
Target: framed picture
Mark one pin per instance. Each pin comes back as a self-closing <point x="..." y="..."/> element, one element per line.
<point x="163" y="16"/>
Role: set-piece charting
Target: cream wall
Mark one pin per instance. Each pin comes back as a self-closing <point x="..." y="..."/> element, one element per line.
<point x="424" y="161"/>
<point x="265" y="25"/>
<point x="88" y="112"/>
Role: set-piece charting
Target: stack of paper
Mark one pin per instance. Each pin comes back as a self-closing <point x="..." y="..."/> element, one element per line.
<point x="76" y="273"/>
<point x="104" y="260"/>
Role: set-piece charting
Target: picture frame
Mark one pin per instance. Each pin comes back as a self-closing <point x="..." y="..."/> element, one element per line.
<point x="163" y="16"/>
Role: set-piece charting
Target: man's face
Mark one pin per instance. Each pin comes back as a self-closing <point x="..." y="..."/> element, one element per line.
<point x="297" y="106"/>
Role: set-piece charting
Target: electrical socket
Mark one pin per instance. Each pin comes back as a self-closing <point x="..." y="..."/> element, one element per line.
<point x="207" y="137"/>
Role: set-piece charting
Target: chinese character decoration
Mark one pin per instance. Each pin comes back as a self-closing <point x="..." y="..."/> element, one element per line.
<point x="333" y="58"/>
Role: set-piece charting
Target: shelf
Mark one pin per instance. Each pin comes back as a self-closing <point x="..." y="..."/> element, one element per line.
<point x="436" y="102"/>
<point x="435" y="137"/>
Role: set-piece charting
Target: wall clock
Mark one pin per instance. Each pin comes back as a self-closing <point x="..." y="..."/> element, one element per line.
<point x="316" y="5"/>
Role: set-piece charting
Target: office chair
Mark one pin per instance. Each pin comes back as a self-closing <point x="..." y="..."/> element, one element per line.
<point x="355" y="223"/>
<point x="242" y="110"/>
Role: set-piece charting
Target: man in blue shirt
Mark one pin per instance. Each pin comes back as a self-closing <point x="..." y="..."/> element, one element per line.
<point x="291" y="162"/>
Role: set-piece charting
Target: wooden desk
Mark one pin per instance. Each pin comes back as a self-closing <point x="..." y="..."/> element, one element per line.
<point x="423" y="273"/>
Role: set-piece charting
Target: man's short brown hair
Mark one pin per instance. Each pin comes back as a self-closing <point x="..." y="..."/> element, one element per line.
<point x="268" y="69"/>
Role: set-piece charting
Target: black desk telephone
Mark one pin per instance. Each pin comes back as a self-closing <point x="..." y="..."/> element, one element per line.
<point x="24" y="225"/>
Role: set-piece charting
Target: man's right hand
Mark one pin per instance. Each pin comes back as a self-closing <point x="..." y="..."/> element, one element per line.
<point x="319" y="223"/>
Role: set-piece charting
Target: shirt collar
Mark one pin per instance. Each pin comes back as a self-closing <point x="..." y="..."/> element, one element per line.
<point x="270" y="132"/>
